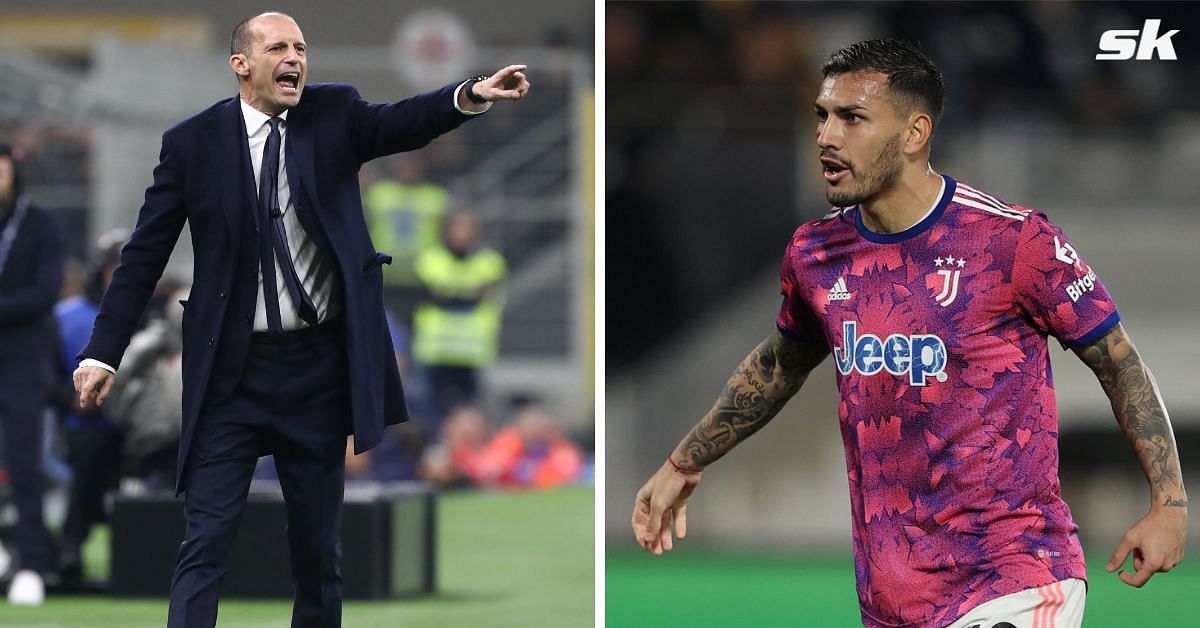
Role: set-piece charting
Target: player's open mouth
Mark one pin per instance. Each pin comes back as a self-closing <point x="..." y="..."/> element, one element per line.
<point x="288" y="81"/>
<point x="834" y="171"/>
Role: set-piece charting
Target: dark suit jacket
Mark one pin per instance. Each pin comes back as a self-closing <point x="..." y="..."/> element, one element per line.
<point x="29" y="287"/>
<point x="204" y="177"/>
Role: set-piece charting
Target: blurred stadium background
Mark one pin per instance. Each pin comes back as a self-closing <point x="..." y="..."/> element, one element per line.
<point x="89" y="87"/>
<point x="709" y="167"/>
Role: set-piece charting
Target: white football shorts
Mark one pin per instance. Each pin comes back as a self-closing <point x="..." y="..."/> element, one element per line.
<point x="1056" y="605"/>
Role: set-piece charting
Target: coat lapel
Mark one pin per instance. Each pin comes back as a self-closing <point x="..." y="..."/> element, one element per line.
<point x="298" y="150"/>
<point x="230" y="153"/>
<point x="298" y="162"/>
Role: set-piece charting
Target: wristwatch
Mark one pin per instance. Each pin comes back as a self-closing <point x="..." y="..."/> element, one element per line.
<point x="469" y="88"/>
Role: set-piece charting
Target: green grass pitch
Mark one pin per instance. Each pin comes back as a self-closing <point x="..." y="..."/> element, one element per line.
<point x="504" y="560"/>
<point x="698" y="588"/>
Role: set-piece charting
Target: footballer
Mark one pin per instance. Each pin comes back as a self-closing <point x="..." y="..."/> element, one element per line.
<point x="936" y="300"/>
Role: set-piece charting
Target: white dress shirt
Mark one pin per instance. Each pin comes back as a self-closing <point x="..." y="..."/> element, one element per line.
<point x="316" y="276"/>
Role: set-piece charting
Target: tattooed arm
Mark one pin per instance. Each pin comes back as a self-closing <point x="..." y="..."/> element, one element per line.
<point x="764" y="381"/>
<point x="1157" y="540"/>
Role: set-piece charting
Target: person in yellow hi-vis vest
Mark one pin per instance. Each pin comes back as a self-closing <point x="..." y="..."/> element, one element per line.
<point x="404" y="216"/>
<point x="456" y="324"/>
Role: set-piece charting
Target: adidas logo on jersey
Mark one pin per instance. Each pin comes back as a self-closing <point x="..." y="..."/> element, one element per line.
<point x="839" y="292"/>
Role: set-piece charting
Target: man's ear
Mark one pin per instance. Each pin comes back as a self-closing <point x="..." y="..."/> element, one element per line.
<point x="918" y="132"/>
<point x="240" y="65"/>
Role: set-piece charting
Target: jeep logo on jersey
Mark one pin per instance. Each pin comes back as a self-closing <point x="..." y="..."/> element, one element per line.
<point x="1119" y="45"/>
<point x="918" y="356"/>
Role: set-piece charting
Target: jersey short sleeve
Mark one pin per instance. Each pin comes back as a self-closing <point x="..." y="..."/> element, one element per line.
<point x="796" y="319"/>
<point x="1052" y="283"/>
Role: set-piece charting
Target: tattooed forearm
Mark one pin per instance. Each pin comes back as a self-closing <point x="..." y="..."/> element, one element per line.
<point x="760" y="386"/>
<point x="1139" y="410"/>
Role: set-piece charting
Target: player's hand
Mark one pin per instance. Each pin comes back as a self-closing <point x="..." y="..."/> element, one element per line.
<point x="508" y="83"/>
<point x="92" y="383"/>
<point x="661" y="500"/>
<point x="1156" y="541"/>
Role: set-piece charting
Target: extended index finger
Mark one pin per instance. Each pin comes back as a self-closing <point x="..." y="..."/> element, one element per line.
<point x="507" y="70"/>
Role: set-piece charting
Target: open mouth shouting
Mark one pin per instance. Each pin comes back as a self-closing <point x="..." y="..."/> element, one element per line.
<point x="288" y="82"/>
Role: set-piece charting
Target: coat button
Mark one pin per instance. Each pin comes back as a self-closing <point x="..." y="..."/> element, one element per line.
<point x="222" y="294"/>
<point x="212" y="341"/>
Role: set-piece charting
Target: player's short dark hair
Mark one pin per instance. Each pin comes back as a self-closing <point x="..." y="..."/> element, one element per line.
<point x="912" y="78"/>
<point x="239" y="41"/>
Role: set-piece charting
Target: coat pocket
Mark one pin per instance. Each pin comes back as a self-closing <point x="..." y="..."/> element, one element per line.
<point x="379" y="260"/>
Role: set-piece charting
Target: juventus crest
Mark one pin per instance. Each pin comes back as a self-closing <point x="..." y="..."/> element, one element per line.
<point x="949" y="276"/>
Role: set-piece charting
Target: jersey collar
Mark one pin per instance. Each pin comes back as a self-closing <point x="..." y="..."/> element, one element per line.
<point x="949" y="184"/>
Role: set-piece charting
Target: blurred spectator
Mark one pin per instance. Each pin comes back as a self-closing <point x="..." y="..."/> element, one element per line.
<point x="404" y="214"/>
<point x="147" y="402"/>
<point x="452" y="462"/>
<point x="31" y="275"/>
<point x="456" y="326"/>
<point x="530" y="452"/>
<point x="397" y="456"/>
<point x="535" y="450"/>
<point x="93" y="441"/>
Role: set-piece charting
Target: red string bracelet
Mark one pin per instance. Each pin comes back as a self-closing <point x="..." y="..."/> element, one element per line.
<point x="682" y="469"/>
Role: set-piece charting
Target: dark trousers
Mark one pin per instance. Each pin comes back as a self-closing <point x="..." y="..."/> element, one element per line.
<point x="292" y="401"/>
<point x="95" y="459"/>
<point x="22" y="402"/>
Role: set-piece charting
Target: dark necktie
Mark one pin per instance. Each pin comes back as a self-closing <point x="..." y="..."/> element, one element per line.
<point x="272" y="236"/>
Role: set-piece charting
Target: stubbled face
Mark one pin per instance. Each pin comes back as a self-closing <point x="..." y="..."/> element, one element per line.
<point x="276" y="64"/>
<point x="858" y="133"/>
<point x="6" y="180"/>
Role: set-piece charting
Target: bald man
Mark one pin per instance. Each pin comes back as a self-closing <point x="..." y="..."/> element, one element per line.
<point x="286" y="349"/>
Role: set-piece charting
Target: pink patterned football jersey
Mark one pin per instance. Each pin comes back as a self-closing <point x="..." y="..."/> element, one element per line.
<point x="947" y="408"/>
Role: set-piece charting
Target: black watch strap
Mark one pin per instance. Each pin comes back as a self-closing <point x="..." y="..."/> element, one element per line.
<point x="469" y="87"/>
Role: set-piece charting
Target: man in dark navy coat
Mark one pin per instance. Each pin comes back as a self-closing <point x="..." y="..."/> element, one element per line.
<point x="31" y="275"/>
<point x="285" y="345"/>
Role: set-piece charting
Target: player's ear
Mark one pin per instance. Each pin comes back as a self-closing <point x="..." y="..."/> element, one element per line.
<point x="240" y="65"/>
<point x="918" y="132"/>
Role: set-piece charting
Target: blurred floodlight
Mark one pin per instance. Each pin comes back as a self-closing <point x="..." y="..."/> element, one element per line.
<point x="431" y="48"/>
